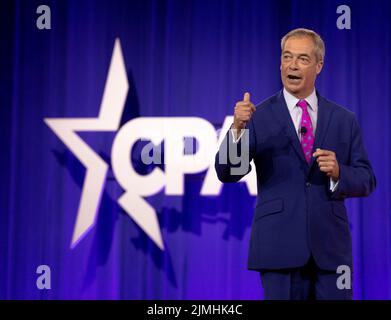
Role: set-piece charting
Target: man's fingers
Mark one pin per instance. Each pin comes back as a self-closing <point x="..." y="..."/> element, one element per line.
<point x="325" y="168"/>
<point x="246" y="102"/>
<point x="325" y="158"/>
<point x="321" y="152"/>
<point x="243" y="104"/>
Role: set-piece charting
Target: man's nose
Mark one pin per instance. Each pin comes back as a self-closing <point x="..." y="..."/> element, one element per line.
<point x="293" y="65"/>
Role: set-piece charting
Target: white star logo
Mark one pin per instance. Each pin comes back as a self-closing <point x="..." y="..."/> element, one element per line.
<point x="112" y="105"/>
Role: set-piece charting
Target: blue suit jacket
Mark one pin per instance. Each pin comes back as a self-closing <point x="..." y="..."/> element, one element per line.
<point x="296" y="213"/>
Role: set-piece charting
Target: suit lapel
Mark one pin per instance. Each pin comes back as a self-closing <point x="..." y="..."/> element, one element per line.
<point x="281" y="113"/>
<point x="322" y="124"/>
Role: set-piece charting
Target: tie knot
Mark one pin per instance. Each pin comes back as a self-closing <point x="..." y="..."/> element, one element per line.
<point x="302" y="104"/>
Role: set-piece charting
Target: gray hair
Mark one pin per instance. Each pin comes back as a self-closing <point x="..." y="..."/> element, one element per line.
<point x="301" y="32"/>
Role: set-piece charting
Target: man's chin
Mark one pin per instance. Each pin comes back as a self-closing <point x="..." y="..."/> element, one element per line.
<point x="293" y="88"/>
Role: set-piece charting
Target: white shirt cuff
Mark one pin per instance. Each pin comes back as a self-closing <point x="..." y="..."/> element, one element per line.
<point x="233" y="131"/>
<point x="333" y="185"/>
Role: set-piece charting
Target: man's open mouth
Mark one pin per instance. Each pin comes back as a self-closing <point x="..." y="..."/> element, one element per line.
<point x="293" y="77"/>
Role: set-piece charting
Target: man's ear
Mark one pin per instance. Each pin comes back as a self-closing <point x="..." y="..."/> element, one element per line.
<point x="319" y="66"/>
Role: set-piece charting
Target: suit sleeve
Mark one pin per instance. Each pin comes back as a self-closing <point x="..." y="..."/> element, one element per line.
<point x="232" y="161"/>
<point x="356" y="179"/>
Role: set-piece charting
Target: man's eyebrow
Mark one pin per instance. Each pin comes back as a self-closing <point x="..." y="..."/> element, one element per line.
<point x="299" y="55"/>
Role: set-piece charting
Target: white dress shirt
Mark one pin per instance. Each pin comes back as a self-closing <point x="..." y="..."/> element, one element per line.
<point x="296" y="113"/>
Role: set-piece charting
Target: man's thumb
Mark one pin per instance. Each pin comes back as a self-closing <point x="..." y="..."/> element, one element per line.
<point x="246" y="97"/>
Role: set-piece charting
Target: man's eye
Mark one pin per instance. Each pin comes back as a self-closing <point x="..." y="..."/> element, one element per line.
<point x="305" y="60"/>
<point x="287" y="57"/>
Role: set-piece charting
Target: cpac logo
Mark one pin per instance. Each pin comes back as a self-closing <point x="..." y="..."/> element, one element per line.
<point x="172" y="130"/>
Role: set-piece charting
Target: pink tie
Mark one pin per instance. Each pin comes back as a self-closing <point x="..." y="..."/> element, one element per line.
<point x="307" y="137"/>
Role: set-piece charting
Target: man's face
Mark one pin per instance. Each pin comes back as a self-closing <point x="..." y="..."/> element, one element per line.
<point x="299" y="66"/>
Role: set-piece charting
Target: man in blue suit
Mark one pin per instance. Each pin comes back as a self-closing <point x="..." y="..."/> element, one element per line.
<point x="309" y="157"/>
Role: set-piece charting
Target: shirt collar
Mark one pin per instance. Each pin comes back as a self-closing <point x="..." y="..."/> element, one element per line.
<point x="291" y="100"/>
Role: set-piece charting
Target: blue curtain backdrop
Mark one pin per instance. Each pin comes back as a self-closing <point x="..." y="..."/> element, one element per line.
<point x="183" y="58"/>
